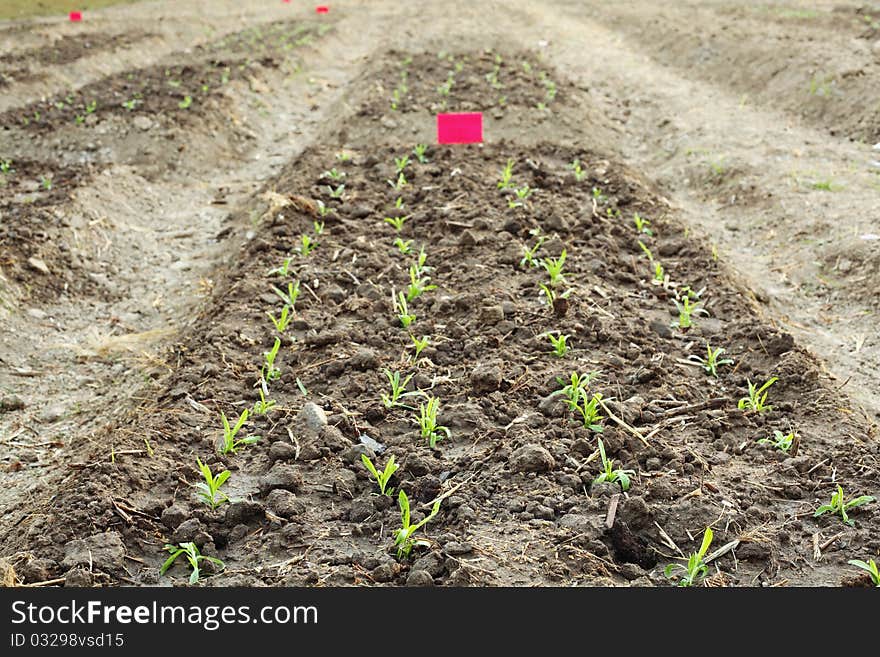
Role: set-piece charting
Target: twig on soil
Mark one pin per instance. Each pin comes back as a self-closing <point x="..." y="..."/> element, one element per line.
<point x="724" y="549"/>
<point x="48" y="582"/>
<point x="442" y="497"/>
<point x="817" y="466"/>
<point x="295" y="442"/>
<point x="617" y="420"/>
<point x="310" y="291"/>
<point x="667" y="541"/>
<point x="612" y="511"/>
<point x="826" y="544"/>
<point x="708" y="404"/>
<point x="817" y="552"/>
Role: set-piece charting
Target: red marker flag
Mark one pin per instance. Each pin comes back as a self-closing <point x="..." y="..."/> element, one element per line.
<point x="322" y="9"/>
<point x="76" y="16"/>
<point x="464" y="128"/>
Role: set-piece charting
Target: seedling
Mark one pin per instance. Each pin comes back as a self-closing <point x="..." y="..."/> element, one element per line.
<point x="838" y="506"/>
<point x="337" y="192"/>
<point x="283" y="269"/>
<point x="756" y="401"/>
<point x="405" y="247"/>
<point x="289" y="298"/>
<point x="686" y="309"/>
<point x="642" y="225"/>
<point x="400" y="163"/>
<point x="712" y="361"/>
<point x="560" y="344"/>
<point x="696" y="568"/>
<point x="334" y="175"/>
<point x="406" y="318"/>
<point x="404" y="540"/>
<point x="780" y="441"/>
<point x="397" y="389"/>
<point x="506" y="176"/>
<point x="323" y="210"/>
<point x="598" y="196"/>
<point x="578" y="385"/>
<point x="209" y="489"/>
<point x="420" y="344"/>
<point x="529" y="254"/>
<point x="131" y="104"/>
<point x="91" y="107"/>
<point x="396" y="222"/>
<point x="306" y="246"/>
<point x="318" y="227"/>
<point x="185" y="103"/>
<point x="263" y="406"/>
<point x="522" y="195"/>
<point x="5" y="166"/>
<point x="551" y="296"/>
<point x="554" y="267"/>
<point x="282" y="322"/>
<point x="430" y="430"/>
<point x="343" y="157"/>
<point x="192" y="555"/>
<point x="588" y="409"/>
<point x="231" y="444"/>
<point x="419" y="152"/>
<point x="646" y="251"/>
<point x="609" y="474"/>
<point x="659" y="274"/>
<point x="46" y="182"/>
<point x="579" y="173"/>
<point x="382" y="478"/>
<point x="870" y="568"/>
<point x="418" y="284"/>
<point x="269" y="371"/>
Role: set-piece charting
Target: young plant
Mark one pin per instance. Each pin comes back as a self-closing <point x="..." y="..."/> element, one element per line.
<point x="506" y="176"/>
<point x="756" y="401"/>
<point x="696" y="568"/>
<point x="870" y="568"/>
<point x="712" y="361"/>
<point x="522" y="194"/>
<point x="323" y="211"/>
<point x="659" y="274"/>
<point x="185" y="103"/>
<point x="209" y="489"/>
<point x="289" y="298"/>
<point x="529" y="254"/>
<point x="419" y="152"/>
<point x="405" y="247"/>
<point x="270" y="372"/>
<point x="334" y="174"/>
<point x="382" y="478"/>
<point x="282" y="322"/>
<point x="397" y="389"/>
<point x="609" y="474"/>
<point x="404" y="537"/>
<point x="839" y="506"/>
<point x="554" y="267"/>
<point x="551" y="296"/>
<point x="263" y="406"/>
<point x="420" y="344"/>
<point x="642" y="225"/>
<point x="400" y="183"/>
<point x="5" y="166"/>
<point x="336" y="192"/>
<point x="646" y="251"/>
<point x="418" y="284"/>
<point x="283" y="269"/>
<point x="780" y="441"/>
<point x="406" y="318"/>
<point x="579" y="173"/>
<point x="306" y="246"/>
<point x="588" y="409"/>
<point x="192" y="555"/>
<point x="686" y="310"/>
<point x="560" y="344"/>
<point x="400" y="163"/>
<point x="577" y="385"/>
<point x="396" y="222"/>
<point x="231" y="444"/>
<point x="318" y="227"/>
<point x="430" y="430"/>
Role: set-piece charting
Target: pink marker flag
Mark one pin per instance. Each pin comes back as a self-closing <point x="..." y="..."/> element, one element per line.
<point x="76" y="16"/>
<point x="463" y="128"/>
<point x="322" y="9"/>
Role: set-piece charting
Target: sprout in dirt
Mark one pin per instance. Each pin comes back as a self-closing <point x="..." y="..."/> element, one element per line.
<point x="418" y="284"/>
<point x="554" y="268"/>
<point x="659" y="274"/>
<point x="839" y="506"/>
<point x="578" y="170"/>
<point x="283" y="269"/>
<point x="318" y="227"/>
<point x="400" y="163"/>
<point x="334" y="175"/>
<point x="522" y="194"/>
<point x="185" y="103"/>
<point x="506" y="176"/>
<point x="529" y="254"/>
<point x="646" y="251"/>
<point x="404" y="537"/>
<point x="598" y="196"/>
<point x="306" y="246"/>
<point x="400" y="308"/>
<point x="91" y="107"/>
<point x="419" y="151"/>
<point x="270" y="372"/>
<point x="870" y="567"/>
<point x="696" y="568"/>
<point x="46" y="182"/>
<point x="642" y="225"/>
<point x="382" y="478"/>
<point x="757" y="399"/>
<point x="343" y="157"/>
<point x="588" y="409"/>
<point x="192" y="555"/>
<point x="396" y="222"/>
<point x="420" y="344"/>
<point x="281" y="323"/>
<point x="289" y="298"/>
<point x="231" y="444"/>
<point x="686" y="310"/>
<point x="264" y="405"/>
<point x="446" y="88"/>
<point x="209" y="489"/>
<point x="398" y="388"/>
<point x="405" y="247"/>
<point x="560" y="344"/>
<point x="609" y="474"/>
<point x="323" y="210"/>
<point x="780" y="441"/>
<point x="400" y="183"/>
<point x="551" y="296"/>
<point x="5" y="166"/>
<point x="576" y="386"/>
<point x="337" y="192"/>
<point x="428" y="427"/>
<point x="712" y="361"/>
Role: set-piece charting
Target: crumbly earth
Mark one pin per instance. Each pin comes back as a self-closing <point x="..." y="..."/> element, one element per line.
<point x="146" y="207"/>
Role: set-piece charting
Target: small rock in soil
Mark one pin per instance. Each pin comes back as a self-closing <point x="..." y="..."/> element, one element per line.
<point x="419" y="578"/>
<point x="282" y="451"/>
<point x="332" y="438"/>
<point x="353" y="454"/>
<point x="383" y="573"/>
<point x="531" y="458"/>
<point x="365" y="359"/>
<point x="36" y="570"/>
<point x="11" y="403"/>
<point x="100" y="551"/>
<point x="173" y="515"/>
<point x="283" y="503"/>
<point x="361" y="509"/>
<point x="491" y="315"/>
<point x="38" y="265"/>
<point x="79" y="578"/>
<point x="661" y="329"/>
<point x="282" y="476"/>
<point x="455" y="549"/>
<point x="485" y="379"/>
<point x="604" y="489"/>
<point x="636" y="513"/>
<point x="142" y="122"/>
<point x="242" y="511"/>
<point x="374" y="445"/>
<point x="52" y="413"/>
<point x="345" y="483"/>
<point x="312" y="417"/>
<point x="551" y="405"/>
<point x="191" y="530"/>
<point x="36" y="313"/>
